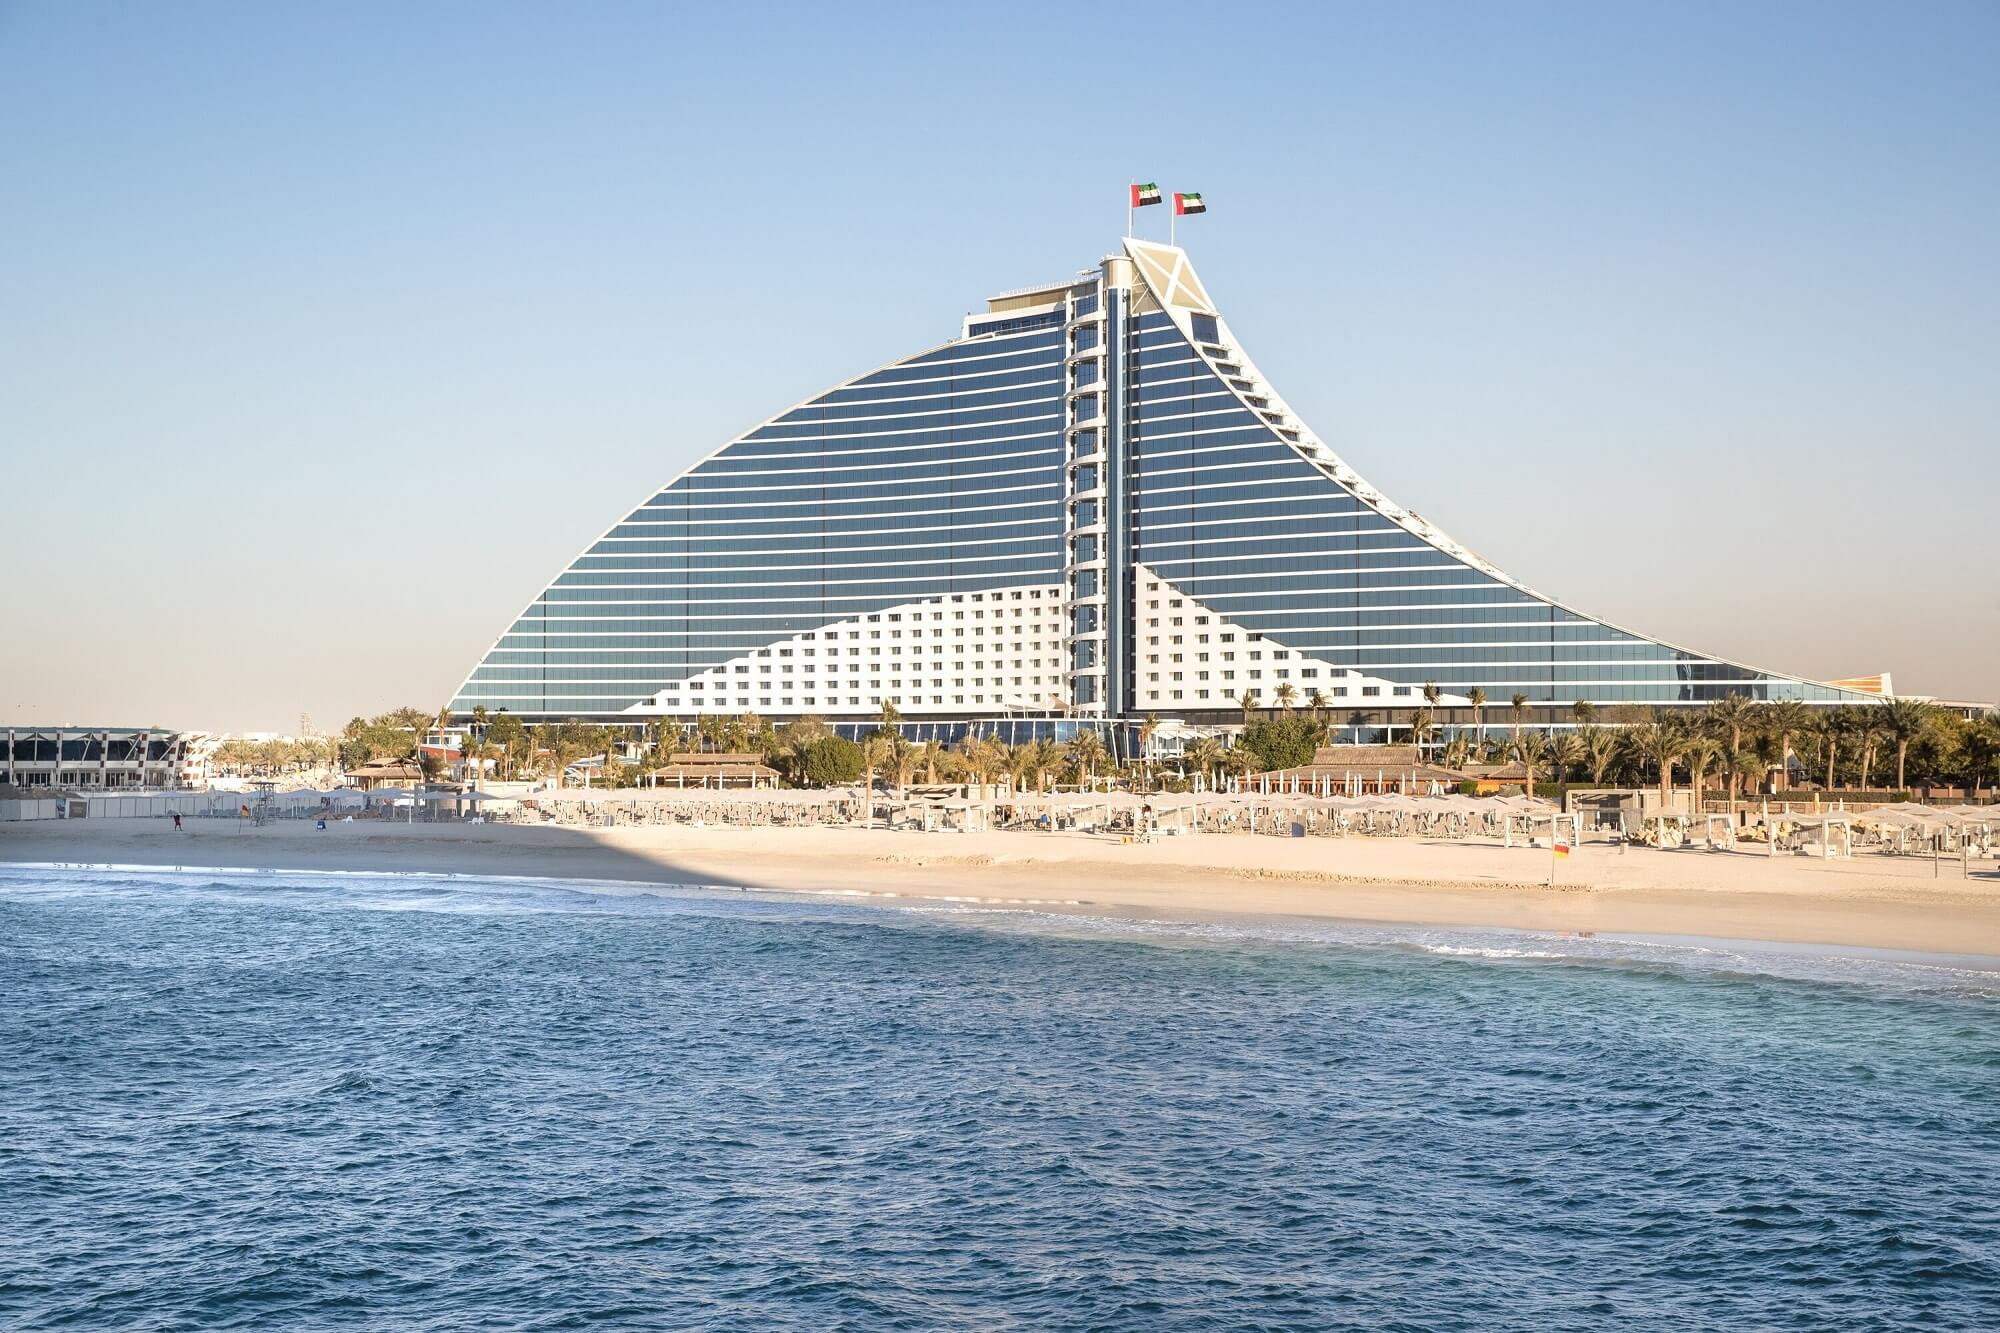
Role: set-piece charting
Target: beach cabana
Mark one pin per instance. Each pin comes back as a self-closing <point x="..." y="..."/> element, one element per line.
<point x="1823" y="826"/>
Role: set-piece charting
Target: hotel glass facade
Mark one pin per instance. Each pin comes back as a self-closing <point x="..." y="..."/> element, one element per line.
<point x="1089" y="504"/>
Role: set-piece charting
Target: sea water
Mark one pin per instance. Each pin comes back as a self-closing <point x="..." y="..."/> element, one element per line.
<point x="294" y="1101"/>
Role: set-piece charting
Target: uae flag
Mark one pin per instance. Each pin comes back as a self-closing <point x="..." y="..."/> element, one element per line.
<point x="1143" y="195"/>
<point x="1189" y="203"/>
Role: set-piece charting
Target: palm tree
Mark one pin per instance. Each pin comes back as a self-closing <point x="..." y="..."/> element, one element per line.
<point x="1423" y="723"/>
<point x="660" y="734"/>
<point x="1529" y="748"/>
<point x="1584" y="711"/>
<point x="1698" y="753"/>
<point x="1202" y="755"/>
<point x="1517" y="713"/>
<point x="903" y="756"/>
<point x="470" y="751"/>
<point x="1316" y="704"/>
<point x="1456" y="751"/>
<point x="1247" y="701"/>
<point x="1087" y="752"/>
<point x="1239" y="760"/>
<point x="1565" y="753"/>
<point x="1785" y="719"/>
<point x="1982" y="749"/>
<point x="1600" y="750"/>
<point x="1660" y="741"/>
<point x="1906" y="719"/>
<point x="1730" y="716"/>
<point x="980" y="756"/>
<point x="1148" y="728"/>
<point x="1477" y="698"/>
<point x="874" y="754"/>
<point x="1286" y="695"/>
<point x="1831" y="723"/>
<point x="1745" y="763"/>
<point x="932" y="751"/>
<point x="891" y="715"/>
<point x="1873" y="723"/>
<point x="1006" y="760"/>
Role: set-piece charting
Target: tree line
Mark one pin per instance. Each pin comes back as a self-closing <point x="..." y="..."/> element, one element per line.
<point x="1733" y="744"/>
<point x="1896" y="744"/>
<point x="273" y="758"/>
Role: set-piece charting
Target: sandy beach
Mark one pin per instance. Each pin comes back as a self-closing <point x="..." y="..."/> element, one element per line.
<point x="1869" y="902"/>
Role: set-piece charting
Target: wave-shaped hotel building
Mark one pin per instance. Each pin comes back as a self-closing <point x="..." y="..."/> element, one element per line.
<point x="1088" y="506"/>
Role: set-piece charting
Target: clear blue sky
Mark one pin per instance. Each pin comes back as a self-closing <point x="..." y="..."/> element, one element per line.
<point x="329" y="333"/>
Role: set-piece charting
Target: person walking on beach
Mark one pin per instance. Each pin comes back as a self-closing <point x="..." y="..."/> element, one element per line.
<point x="177" y="821"/>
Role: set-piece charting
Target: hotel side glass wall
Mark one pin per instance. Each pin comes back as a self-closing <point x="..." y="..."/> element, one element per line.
<point x="939" y="474"/>
<point x="1234" y="517"/>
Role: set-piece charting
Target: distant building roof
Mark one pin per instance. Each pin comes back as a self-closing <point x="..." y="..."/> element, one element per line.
<point x="1361" y="756"/>
<point x="718" y="768"/>
<point x="72" y="726"/>
<point x="1508" y="772"/>
<point x="1337" y="762"/>
<point x="386" y="768"/>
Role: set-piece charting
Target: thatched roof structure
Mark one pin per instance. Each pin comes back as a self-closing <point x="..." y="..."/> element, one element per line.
<point x="1376" y="767"/>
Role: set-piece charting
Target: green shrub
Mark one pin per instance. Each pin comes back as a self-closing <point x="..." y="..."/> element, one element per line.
<point x="829" y="761"/>
<point x="1281" y="742"/>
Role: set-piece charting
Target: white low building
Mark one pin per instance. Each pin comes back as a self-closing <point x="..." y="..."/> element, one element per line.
<point x="73" y="758"/>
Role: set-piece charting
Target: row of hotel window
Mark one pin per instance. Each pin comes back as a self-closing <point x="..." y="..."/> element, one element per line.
<point x="795" y="674"/>
<point x="1603" y="692"/>
<point x="700" y="621"/>
<point x="1330" y="692"/>
<point x="853" y="701"/>
<point x="805" y="583"/>
<point x="976" y="369"/>
<point x="538" y="702"/>
<point x="965" y="424"/>
<point x="850" y="458"/>
<point x="700" y="624"/>
<point x="1518" y="624"/>
<point x="937" y="682"/>
<point x="1036" y="382"/>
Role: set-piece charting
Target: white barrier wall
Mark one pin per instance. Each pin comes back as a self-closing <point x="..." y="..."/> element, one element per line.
<point x="148" y="807"/>
<point x="11" y="811"/>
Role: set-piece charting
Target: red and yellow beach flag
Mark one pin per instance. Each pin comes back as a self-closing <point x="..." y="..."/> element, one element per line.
<point x="1562" y="851"/>
<point x="1185" y="204"/>
<point x="1142" y="195"/>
